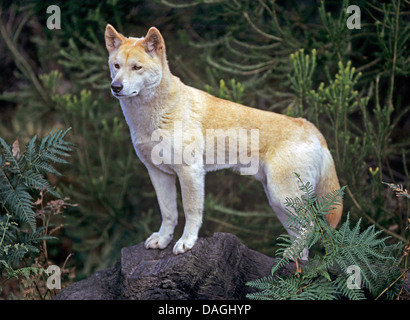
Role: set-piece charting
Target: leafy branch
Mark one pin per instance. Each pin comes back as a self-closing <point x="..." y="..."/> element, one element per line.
<point x="326" y="275"/>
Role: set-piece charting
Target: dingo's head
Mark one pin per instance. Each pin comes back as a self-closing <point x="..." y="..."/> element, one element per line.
<point x="136" y="64"/>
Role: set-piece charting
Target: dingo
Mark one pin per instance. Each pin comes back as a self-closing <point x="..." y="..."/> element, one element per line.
<point x="160" y="109"/>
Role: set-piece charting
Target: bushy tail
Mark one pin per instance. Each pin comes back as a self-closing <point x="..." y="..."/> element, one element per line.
<point x="329" y="182"/>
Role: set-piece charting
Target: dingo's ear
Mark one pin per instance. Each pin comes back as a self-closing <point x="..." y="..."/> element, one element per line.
<point x="153" y="42"/>
<point x="113" y="39"/>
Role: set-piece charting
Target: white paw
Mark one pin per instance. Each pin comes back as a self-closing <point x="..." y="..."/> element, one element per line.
<point x="158" y="241"/>
<point x="184" y="244"/>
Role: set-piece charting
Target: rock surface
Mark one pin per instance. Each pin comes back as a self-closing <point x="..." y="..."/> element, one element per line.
<point x="217" y="267"/>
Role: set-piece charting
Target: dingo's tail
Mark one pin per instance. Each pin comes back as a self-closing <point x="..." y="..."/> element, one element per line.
<point x="329" y="182"/>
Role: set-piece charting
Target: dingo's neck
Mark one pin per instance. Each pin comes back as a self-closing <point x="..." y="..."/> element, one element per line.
<point x="145" y="111"/>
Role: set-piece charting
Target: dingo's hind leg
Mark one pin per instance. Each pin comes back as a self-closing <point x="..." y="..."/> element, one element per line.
<point x="277" y="191"/>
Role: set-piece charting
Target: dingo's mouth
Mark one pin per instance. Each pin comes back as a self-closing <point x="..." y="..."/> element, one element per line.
<point x="122" y="96"/>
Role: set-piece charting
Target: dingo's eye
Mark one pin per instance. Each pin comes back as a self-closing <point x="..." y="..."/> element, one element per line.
<point x="136" y="68"/>
<point x="116" y="66"/>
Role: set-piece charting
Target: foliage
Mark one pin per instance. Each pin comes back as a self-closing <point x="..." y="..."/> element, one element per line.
<point x="326" y="276"/>
<point x="287" y="56"/>
<point x="23" y="184"/>
<point x="337" y="102"/>
<point x="24" y="172"/>
<point x="234" y="93"/>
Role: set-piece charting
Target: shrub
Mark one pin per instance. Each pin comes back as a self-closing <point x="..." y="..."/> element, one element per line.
<point x="24" y="221"/>
<point x="327" y="275"/>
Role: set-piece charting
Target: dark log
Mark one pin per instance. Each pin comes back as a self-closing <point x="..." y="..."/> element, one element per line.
<point x="217" y="267"/>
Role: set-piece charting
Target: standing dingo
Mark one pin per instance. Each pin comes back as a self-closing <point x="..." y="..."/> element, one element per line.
<point x="180" y="131"/>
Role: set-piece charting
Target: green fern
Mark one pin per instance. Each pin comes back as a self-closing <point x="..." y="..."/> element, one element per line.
<point x="22" y="179"/>
<point x="326" y="275"/>
<point x="20" y="173"/>
<point x="377" y="261"/>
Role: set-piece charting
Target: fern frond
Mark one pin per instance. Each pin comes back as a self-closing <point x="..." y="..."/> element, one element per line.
<point x="377" y="262"/>
<point x="319" y="290"/>
<point x="361" y="247"/>
<point x="261" y="284"/>
<point x="52" y="149"/>
<point x="343" y="290"/>
<point x="280" y="264"/>
<point x="30" y="153"/>
<point x="325" y="204"/>
<point x="326" y="275"/>
<point x="35" y="180"/>
<point x="261" y="295"/>
<point x="18" y="201"/>
<point x="22" y="174"/>
<point x="36" y="237"/>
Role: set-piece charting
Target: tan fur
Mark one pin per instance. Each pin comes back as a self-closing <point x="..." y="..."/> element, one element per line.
<point x="154" y="102"/>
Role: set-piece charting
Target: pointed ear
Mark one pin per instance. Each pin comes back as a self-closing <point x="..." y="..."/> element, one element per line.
<point x="113" y="39"/>
<point x="153" y="42"/>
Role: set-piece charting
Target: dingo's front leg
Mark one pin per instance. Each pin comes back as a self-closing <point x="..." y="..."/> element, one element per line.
<point x="165" y="188"/>
<point x="192" y="190"/>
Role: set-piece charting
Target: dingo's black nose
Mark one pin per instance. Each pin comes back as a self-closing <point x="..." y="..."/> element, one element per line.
<point x="116" y="87"/>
